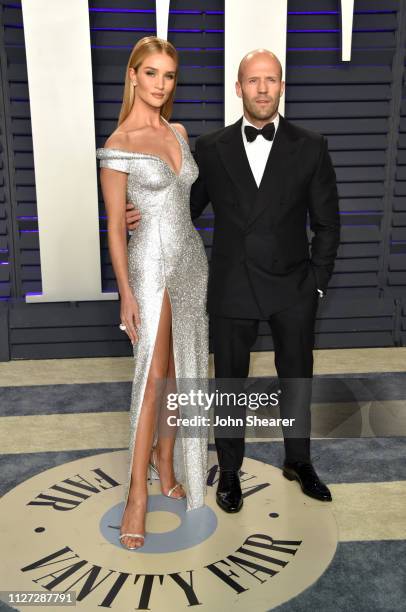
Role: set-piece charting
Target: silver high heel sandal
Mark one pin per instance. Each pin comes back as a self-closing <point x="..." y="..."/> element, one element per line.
<point x="154" y="475"/>
<point x="132" y="535"/>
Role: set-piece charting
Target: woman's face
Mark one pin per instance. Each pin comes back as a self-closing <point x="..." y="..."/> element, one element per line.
<point x="155" y="79"/>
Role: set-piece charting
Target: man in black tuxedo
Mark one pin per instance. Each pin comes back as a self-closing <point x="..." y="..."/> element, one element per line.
<point x="263" y="176"/>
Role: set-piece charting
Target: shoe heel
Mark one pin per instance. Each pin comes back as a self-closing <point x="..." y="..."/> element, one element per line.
<point x="288" y="476"/>
<point x="153" y="473"/>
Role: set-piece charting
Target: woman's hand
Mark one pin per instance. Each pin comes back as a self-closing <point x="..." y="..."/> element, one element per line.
<point x="130" y="316"/>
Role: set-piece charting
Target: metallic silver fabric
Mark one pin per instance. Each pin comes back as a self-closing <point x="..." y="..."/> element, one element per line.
<point x="166" y="251"/>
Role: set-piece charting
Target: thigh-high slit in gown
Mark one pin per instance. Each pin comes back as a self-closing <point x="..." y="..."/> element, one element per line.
<point x="166" y="252"/>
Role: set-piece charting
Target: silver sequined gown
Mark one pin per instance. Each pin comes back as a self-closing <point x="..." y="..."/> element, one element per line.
<point x="167" y="251"/>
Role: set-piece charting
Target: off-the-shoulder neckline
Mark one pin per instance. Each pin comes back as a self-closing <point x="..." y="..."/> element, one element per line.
<point x="150" y="155"/>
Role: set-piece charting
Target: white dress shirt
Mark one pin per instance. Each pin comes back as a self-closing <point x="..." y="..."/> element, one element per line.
<point x="258" y="151"/>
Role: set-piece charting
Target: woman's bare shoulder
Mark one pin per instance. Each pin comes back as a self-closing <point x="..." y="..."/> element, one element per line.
<point x="117" y="140"/>
<point x="181" y="128"/>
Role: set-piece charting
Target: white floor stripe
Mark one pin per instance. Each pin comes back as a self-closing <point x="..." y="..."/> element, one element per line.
<point x="110" y="369"/>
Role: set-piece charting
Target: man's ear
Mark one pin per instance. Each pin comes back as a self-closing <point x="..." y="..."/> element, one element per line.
<point x="238" y="90"/>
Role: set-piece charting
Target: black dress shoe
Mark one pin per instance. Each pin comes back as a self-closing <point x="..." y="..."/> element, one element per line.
<point x="229" y="495"/>
<point x="305" y="474"/>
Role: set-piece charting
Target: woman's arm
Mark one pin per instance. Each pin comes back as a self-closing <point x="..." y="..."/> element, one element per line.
<point x="114" y="184"/>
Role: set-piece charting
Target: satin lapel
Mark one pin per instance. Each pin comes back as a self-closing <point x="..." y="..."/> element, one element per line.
<point x="232" y="154"/>
<point x="276" y="172"/>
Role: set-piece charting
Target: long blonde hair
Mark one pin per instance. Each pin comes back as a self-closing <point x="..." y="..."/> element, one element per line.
<point x="143" y="48"/>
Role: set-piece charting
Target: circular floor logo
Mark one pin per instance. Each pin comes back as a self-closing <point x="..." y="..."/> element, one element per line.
<point x="59" y="532"/>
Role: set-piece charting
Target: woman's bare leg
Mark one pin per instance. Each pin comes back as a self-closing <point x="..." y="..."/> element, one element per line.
<point x="167" y="434"/>
<point x="133" y="520"/>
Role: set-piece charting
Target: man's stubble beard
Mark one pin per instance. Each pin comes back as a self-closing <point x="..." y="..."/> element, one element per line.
<point x="256" y="113"/>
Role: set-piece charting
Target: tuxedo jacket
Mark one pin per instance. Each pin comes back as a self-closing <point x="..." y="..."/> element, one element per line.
<point x="260" y="260"/>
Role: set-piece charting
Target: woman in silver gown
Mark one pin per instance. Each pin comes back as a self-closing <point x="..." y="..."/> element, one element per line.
<point x="161" y="277"/>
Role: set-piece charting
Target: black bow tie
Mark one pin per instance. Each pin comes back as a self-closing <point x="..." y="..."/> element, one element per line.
<point x="268" y="132"/>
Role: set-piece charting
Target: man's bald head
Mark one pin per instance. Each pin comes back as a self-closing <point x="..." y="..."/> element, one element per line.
<point x="258" y="53"/>
<point x="260" y="86"/>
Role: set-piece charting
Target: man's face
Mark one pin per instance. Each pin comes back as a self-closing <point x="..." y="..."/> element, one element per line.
<point x="260" y="87"/>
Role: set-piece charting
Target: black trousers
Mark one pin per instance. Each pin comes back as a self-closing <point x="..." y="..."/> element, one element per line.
<point x="293" y="336"/>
